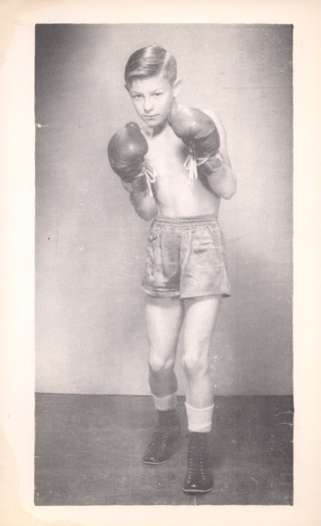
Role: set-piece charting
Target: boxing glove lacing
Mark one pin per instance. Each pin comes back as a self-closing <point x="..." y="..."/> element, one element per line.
<point x="191" y="164"/>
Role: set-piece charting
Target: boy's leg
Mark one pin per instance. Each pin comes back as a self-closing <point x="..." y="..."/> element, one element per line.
<point x="163" y="320"/>
<point x="200" y="318"/>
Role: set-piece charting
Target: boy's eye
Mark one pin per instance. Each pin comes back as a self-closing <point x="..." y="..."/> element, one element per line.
<point x="158" y="93"/>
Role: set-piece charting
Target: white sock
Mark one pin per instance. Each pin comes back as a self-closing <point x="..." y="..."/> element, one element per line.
<point x="165" y="403"/>
<point x="199" y="420"/>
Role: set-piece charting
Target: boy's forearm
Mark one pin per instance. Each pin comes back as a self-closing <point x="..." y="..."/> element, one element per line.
<point x="223" y="181"/>
<point x="144" y="204"/>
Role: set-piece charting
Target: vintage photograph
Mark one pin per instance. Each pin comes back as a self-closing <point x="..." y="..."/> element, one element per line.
<point x="164" y="181"/>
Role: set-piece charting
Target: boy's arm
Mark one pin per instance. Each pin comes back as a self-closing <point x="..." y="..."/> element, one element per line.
<point x="144" y="203"/>
<point x="222" y="181"/>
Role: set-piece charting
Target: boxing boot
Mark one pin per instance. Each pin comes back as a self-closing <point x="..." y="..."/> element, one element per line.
<point x="164" y="439"/>
<point x="199" y="478"/>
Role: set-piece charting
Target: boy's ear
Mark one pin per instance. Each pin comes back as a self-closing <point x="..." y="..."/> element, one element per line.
<point x="177" y="87"/>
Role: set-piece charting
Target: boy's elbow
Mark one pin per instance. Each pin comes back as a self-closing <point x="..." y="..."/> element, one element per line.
<point x="229" y="192"/>
<point x="230" y="187"/>
<point x="146" y="210"/>
<point x="147" y="214"/>
<point x="223" y="182"/>
<point x="225" y="190"/>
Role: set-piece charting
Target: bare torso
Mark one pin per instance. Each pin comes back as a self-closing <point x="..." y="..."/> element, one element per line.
<point x="176" y="194"/>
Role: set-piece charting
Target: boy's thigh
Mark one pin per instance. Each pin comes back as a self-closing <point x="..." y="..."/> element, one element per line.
<point x="200" y="317"/>
<point x="164" y="318"/>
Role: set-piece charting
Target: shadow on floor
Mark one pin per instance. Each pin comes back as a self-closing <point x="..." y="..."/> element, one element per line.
<point x="89" y="447"/>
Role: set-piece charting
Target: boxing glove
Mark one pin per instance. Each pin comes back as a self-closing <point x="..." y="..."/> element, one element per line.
<point x="199" y="133"/>
<point x="126" y="152"/>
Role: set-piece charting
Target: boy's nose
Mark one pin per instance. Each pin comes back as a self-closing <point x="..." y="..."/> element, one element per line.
<point x="148" y="105"/>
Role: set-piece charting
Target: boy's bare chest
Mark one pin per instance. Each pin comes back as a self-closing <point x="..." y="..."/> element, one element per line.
<point x="167" y="155"/>
<point x="174" y="189"/>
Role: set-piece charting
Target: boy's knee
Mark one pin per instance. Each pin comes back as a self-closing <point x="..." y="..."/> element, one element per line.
<point x="195" y="357"/>
<point x="159" y="365"/>
<point x="195" y="364"/>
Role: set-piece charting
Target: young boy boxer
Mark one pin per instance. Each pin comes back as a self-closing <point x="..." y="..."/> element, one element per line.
<point x="176" y="169"/>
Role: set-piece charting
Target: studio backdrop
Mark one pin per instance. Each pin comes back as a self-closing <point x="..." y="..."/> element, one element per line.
<point x="90" y="244"/>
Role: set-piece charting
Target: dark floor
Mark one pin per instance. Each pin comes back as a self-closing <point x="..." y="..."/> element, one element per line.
<point x="89" y="449"/>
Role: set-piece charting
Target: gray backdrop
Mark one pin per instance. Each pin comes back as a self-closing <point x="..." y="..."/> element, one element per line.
<point x="90" y="335"/>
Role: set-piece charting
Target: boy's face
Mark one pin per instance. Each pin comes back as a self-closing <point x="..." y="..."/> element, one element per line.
<point x="153" y="98"/>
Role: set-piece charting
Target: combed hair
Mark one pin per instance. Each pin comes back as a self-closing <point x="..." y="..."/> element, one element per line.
<point x="150" y="61"/>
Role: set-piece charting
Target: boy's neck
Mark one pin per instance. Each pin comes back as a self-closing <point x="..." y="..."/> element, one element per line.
<point x="157" y="130"/>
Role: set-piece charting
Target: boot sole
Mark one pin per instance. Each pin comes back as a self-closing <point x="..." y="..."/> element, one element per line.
<point x="150" y="463"/>
<point x="197" y="491"/>
<point x="175" y="450"/>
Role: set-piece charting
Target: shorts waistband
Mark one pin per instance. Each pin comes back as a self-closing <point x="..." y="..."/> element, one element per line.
<point x="190" y="220"/>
